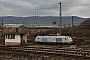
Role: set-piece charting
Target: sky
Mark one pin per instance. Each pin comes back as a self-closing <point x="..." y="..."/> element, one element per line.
<point x="26" y="8"/>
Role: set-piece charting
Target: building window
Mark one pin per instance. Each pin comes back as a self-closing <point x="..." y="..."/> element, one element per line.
<point x="11" y="36"/>
<point x="6" y="36"/>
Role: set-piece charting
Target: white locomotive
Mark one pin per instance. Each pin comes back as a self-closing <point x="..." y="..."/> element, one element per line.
<point x="54" y="39"/>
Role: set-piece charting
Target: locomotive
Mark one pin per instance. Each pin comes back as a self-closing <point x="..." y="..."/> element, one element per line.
<point x="54" y="39"/>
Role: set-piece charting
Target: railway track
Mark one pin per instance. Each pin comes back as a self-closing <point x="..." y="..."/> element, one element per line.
<point x="47" y="50"/>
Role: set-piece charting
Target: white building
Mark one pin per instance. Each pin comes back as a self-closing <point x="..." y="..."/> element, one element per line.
<point x="15" y="39"/>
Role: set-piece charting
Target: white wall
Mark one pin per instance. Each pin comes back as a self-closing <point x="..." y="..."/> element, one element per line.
<point x="17" y="39"/>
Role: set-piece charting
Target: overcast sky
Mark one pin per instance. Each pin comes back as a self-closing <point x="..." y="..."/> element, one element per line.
<point x="79" y="8"/>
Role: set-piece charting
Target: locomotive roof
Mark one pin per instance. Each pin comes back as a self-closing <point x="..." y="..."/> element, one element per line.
<point x="54" y="36"/>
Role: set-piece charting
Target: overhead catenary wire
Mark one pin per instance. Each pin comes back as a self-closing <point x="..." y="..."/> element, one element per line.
<point x="65" y="6"/>
<point x="76" y="5"/>
<point x="41" y="8"/>
<point x="16" y="10"/>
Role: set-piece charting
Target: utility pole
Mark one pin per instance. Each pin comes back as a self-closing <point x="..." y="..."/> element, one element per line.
<point x="60" y="19"/>
<point x="35" y="15"/>
<point x="84" y="43"/>
<point x="20" y="9"/>
<point x="25" y="21"/>
<point x="72" y="26"/>
<point x="2" y="22"/>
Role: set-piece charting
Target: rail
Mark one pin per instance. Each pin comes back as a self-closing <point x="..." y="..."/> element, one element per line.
<point x="58" y="51"/>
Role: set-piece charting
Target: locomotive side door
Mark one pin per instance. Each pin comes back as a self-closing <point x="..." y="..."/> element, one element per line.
<point x="65" y="40"/>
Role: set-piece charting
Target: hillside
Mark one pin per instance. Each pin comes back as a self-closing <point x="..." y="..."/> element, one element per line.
<point x="78" y="31"/>
<point x="84" y="27"/>
<point x="40" y="20"/>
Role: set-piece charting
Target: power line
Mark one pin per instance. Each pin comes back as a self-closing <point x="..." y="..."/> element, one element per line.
<point x="65" y="6"/>
<point x="76" y="5"/>
<point x="49" y="8"/>
<point x="42" y="8"/>
<point x="15" y="10"/>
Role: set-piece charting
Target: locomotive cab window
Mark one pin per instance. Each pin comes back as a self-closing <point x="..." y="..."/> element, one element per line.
<point x="37" y="38"/>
